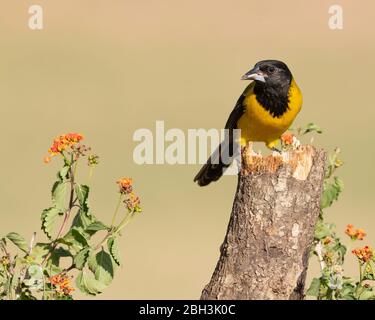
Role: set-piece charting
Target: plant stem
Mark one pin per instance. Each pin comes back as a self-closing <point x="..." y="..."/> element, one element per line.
<point x="360" y="272"/>
<point x="66" y="217"/>
<point x="113" y="231"/>
<point x="75" y="167"/>
<point x="318" y="250"/>
<point x="90" y="173"/>
<point x="116" y="210"/>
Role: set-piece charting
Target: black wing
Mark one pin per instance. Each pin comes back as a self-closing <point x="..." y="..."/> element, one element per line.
<point x="214" y="167"/>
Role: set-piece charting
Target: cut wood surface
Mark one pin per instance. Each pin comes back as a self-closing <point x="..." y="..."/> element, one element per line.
<point x="266" y="249"/>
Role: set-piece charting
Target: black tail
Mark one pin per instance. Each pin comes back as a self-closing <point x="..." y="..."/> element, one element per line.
<point x="210" y="172"/>
<point x="217" y="163"/>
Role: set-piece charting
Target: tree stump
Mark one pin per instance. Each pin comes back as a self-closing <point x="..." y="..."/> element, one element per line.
<point x="266" y="249"/>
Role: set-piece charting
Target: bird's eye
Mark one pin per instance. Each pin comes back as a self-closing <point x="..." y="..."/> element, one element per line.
<point x="271" y="69"/>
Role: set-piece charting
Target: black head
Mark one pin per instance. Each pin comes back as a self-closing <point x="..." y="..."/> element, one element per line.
<point x="272" y="82"/>
<point x="270" y="73"/>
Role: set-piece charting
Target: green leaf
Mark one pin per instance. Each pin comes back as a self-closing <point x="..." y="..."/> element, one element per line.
<point x="34" y="277"/>
<point x="101" y="265"/>
<point x="312" y="127"/>
<point x="97" y="226"/>
<point x="314" y="288"/>
<point x="59" y="195"/>
<point x="82" y="192"/>
<point x="75" y="240"/>
<point x="88" y="284"/>
<point x="57" y="254"/>
<point x="322" y="230"/>
<point x="18" y="240"/>
<point x="331" y="192"/>
<point x="114" y="250"/>
<point x="64" y="172"/>
<point x="81" y="258"/>
<point x="82" y="220"/>
<point x="49" y="217"/>
<point x="40" y="250"/>
<point x="52" y="269"/>
<point x="367" y="295"/>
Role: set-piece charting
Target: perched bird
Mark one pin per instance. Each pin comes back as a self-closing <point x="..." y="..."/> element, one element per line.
<point x="264" y="111"/>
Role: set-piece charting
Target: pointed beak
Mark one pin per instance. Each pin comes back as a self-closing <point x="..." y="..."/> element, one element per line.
<point x="254" y="74"/>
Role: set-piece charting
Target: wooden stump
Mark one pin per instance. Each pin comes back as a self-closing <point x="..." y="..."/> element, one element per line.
<point x="266" y="249"/>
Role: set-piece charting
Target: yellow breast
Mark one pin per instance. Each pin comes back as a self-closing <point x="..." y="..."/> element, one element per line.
<point x="257" y="124"/>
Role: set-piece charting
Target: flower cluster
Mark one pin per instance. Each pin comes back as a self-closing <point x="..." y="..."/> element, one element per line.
<point x="364" y="254"/>
<point x="125" y="185"/>
<point x="92" y="160"/>
<point x="132" y="201"/>
<point x="327" y="240"/>
<point x="62" y="284"/>
<point x="355" y="234"/>
<point x="5" y="261"/>
<point x="61" y="143"/>
<point x="289" y="139"/>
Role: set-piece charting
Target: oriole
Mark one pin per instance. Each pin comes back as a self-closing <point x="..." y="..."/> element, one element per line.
<point x="264" y="111"/>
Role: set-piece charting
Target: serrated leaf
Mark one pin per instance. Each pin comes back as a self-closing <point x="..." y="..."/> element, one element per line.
<point x="97" y="226"/>
<point x="18" y="240"/>
<point x="101" y="265"/>
<point x="81" y="258"/>
<point x="88" y="284"/>
<point x="59" y="195"/>
<point x="82" y="220"/>
<point x="314" y="288"/>
<point x="114" y="250"/>
<point x="64" y="172"/>
<point x="82" y="192"/>
<point x="49" y="217"/>
<point x="75" y="240"/>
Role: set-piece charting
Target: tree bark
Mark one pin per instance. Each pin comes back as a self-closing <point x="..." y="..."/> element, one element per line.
<point x="266" y="249"/>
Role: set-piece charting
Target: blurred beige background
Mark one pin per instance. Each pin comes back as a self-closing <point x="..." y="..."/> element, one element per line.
<point x="106" y="68"/>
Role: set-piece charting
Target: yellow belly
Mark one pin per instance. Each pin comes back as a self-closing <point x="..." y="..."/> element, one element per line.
<point x="257" y="124"/>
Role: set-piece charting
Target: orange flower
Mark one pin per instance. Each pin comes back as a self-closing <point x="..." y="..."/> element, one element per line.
<point x="350" y="230"/>
<point x="62" y="282"/>
<point x="133" y="203"/>
<point x="357" y="234"/>
<point x="287" y="138"/>
<point x="125" y="185"/>
<point x="327" y="240"/>
<point x="63" y="142"/>
<point x="360" y="234"/>
<point x="363" y="254"/>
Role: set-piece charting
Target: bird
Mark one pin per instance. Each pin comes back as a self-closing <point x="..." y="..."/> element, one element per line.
<point x="263" y="112"/>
